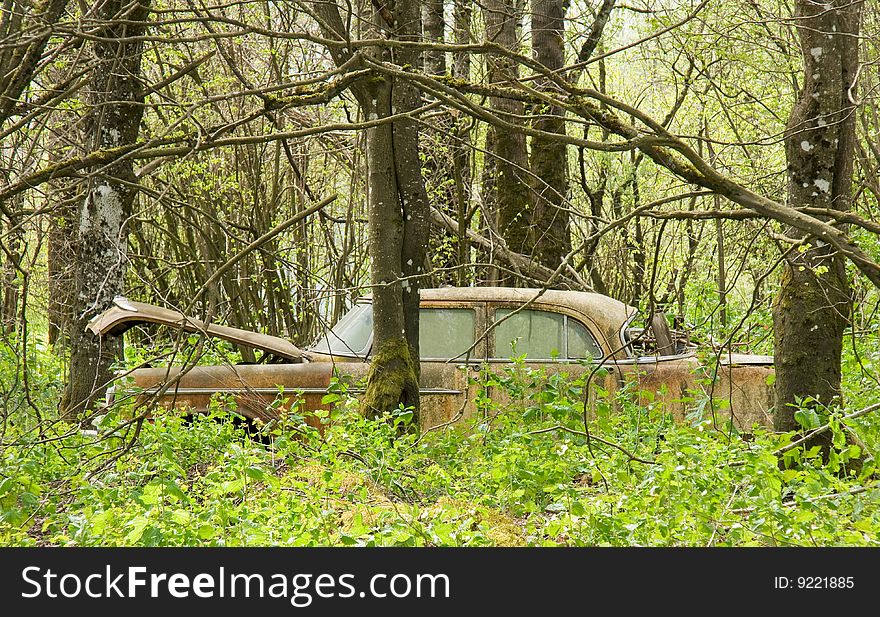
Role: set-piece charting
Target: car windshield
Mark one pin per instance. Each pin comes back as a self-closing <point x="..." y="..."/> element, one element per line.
<point x="351" y="334"/>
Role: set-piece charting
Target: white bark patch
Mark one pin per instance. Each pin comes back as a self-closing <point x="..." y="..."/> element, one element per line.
<point x="822" y="185"/>
<point x="106" y="211"/>
<point x="372" y="116"/>
<point x="113" y="136"/>
<point x="821" y="122"/>
<point x="806" y="146"/>
<point x="816" y="52"/>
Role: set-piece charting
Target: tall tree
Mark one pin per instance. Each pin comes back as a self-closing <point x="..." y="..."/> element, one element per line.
<point x="398" y="211"/>
<point x="811" y="309"/>
<point x="115" y="102"/>
<point x="434" y="29"/>
<point x="461" y="143"/>
<point x="507" y="172"/>
<point x="551" y="235"/>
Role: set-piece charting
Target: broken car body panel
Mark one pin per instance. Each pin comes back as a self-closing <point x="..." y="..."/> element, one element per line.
<point x="126" y="313"/>
<point x="463" y="331"/>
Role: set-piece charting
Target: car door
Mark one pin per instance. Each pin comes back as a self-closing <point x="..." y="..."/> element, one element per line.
<point x="551" y="342"/>
<point x="450" y="351"/>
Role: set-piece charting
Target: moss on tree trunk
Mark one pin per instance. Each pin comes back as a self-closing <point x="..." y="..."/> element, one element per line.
<point x="391" y="381"/>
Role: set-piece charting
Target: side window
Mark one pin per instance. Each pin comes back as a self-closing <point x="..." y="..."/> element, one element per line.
<point x="446" y="333"/>
<point x="537" y="334"/>
<point x="542" y="335"/>
<point x="581" y="344"/>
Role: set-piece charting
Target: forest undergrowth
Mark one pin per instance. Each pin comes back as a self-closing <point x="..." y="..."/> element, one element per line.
<point x="527" y="472"/>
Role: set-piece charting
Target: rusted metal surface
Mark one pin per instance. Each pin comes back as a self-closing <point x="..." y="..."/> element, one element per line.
<point x="126" y="313"/>
<point x="444" y="392"/>
<point x="260" y="392"/>
<point x="739" y="391"/>
<point x="737" y="359"/>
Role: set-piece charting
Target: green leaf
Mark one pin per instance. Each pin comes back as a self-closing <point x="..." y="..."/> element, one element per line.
<point x="206" y="531"/>
<point x="807" y="418"/>
<point x="137" y="529"/>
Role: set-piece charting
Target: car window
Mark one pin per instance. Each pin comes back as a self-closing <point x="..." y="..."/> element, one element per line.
<point x="446" y="333"/>
<point x="542" y="335"/>
<point x="581" y="344"/>
<point x="351" y="335"/>
<point x="443" y="333"/>
<point x="537" y="334"/>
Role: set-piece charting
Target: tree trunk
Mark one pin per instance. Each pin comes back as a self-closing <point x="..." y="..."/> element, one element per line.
<point x="439" y="164"/>
<point x="551" y="236"/>
<point x="392" y="379"/>
<point x="398" y="215"/>
<point x="60" y="246"/>
<point x="11" y="258"/>
<point x="434" y="26"/>
<point x="461" y="144"/>
<point x="811" y="309"/>
<point x="511" y="200"/>
<point x="101" y="227"/>
<point x="25" y="30"/>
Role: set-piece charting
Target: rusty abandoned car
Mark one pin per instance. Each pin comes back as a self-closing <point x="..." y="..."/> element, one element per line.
<point x="462" y="331"/>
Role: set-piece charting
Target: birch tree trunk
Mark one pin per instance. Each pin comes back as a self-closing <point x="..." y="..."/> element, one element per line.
<point x="113" y="120"/>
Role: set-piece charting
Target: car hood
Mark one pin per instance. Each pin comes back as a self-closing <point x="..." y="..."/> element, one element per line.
<point x="126" y="313"/>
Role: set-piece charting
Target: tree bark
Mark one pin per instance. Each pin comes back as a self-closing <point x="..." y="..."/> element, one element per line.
<point x="434" y="27"/>
<point x="101" y="226"/>
<point x="398" y="213"/>
<point x="11" y="258"/>
<point x="461" y="144"/>
<point x="511" y="199"/>
<point x="811" y="309"/>
<point x="551" y="236"/>
<point x="25" y="32"/>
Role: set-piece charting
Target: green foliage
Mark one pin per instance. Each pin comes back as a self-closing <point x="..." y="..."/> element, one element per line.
<point x="509" y="476"/>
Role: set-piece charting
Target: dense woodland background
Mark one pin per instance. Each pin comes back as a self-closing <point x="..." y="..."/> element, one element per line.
<point x="717" y="160"/>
